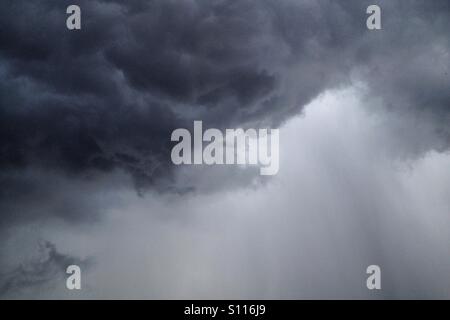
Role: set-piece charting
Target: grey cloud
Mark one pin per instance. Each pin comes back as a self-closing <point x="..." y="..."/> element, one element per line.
<point x="109" y="95"/>
<point x="48" y="267"/>
<point x="79" y="109"/>
<point x="337" y="205"/>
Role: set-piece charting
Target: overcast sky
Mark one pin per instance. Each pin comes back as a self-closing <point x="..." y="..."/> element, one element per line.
<point x="86" y="176"/>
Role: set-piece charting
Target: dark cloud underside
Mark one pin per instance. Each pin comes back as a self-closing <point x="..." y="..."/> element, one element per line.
<point x="108" y="96"/>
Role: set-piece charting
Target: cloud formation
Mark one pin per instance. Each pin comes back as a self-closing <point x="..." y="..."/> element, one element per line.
<point x="49" y="267"/>
<point x="109" y="95"/>
<point x="84" y="112"/>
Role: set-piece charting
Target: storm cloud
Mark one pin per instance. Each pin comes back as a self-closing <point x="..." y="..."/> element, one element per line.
<point x="109" y="95"/>
<point x="86" y="115"/>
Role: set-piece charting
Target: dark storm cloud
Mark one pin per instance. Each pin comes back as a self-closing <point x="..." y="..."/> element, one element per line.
<point x="32" y="195"/>
<point x="48" y="267"/>
<point x="109" y="95"/>
<point x="80" y="108"/>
